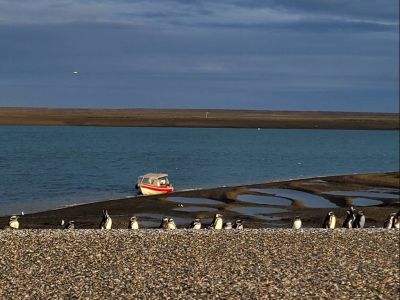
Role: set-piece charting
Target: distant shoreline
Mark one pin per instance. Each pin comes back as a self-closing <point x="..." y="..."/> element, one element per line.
<point x="199" y="118"/>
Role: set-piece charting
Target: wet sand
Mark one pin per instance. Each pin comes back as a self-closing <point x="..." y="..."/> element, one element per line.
<point x="182" y="264"/>
<point x="225" y="200"/>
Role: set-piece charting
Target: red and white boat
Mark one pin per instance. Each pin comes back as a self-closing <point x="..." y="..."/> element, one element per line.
<point x="154" y="184"/>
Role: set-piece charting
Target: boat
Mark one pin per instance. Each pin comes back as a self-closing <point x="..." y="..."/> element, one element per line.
<point x="154" y="184"/>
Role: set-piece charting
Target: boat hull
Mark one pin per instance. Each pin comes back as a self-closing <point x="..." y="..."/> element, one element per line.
<point x="146" y="189"/>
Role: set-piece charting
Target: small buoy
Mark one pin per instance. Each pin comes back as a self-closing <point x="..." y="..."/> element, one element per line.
<point x="258" y="128"/>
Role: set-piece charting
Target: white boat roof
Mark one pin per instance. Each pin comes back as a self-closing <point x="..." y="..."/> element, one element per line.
<point x="154" y="175"/>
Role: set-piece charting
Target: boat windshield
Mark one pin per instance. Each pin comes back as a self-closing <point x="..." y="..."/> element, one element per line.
<point x="160" y="181"/>
<point x="163" y="180"/>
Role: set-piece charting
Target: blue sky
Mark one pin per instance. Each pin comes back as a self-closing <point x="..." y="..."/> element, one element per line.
<point x="281" y="55"/>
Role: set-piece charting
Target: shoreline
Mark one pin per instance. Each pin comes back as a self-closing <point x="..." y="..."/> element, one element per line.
<point x="200" y="118"/>
<point x="150" y="209"/>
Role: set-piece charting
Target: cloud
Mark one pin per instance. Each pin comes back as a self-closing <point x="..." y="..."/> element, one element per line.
<point x="310" y="15"/>
<point x="243" y="54"/>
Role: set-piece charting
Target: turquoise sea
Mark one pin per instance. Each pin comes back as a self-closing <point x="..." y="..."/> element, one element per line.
<point x="48" y="167"/>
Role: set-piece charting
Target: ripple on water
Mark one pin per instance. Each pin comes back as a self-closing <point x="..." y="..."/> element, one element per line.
<point x="363" y="194"/>
<point x="194" y="200"/>
<point x="384" y="190"/>
<point x="257" y="211"/>
<point x="309" y="200"/>
<point x="365" y="202"/>
<point x="264" y="199"/>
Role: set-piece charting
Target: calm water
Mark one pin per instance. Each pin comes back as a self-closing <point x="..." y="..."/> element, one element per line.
<point x="48" y="167"/>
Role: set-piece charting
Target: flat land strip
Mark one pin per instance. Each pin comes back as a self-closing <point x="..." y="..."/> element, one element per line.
<point x="184" y="264"/>
<point x="198" y="118"/>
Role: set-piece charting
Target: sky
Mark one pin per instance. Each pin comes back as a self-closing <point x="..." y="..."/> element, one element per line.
<point x="241" y="54"/>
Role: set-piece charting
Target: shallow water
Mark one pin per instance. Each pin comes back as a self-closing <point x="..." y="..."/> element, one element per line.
<point x="363" y="194"/>
<point x="43" y="167"/>
<point x="385" y="190"/>
<point x="309" y="200"/>
<point x="365" y="202"/>
<point x="257" y="211"/>
<point x="260" y="199"/>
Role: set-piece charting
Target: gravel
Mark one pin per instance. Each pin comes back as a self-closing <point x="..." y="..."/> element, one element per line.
<point x="185" y="264"/>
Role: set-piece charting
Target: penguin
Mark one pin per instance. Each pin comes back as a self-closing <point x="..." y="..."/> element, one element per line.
<point x="353" y="213"/>
<point x="106" y="222"/>
<point x="297" y="223"/>
<point x="70" y="225"/>
<point x="133" y="223"/>
<point x="238" y="225"/>
<point x="389" y="221"/>
<point x="13" y="223"/>
<point x="171" y="224"/>
<point x="164" y="223"/>
<point x="359" y="222"/>
<point x="330" y="221"/>
<point x="228" y="225"/>
<point x="348" y="222"/>
<point x="217" y="222"/>
<point x="396" y="221"/>
<point x="196" y="224"/>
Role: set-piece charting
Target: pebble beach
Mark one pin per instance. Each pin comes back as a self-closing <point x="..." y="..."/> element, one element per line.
<point x="205" y="264"/>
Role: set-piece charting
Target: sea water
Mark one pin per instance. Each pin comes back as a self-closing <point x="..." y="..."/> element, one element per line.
<point x="48" y="167"/>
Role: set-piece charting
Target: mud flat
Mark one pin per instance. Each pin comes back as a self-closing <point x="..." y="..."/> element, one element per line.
<point x="267" y="205"/>
<point x="182" y="264"/>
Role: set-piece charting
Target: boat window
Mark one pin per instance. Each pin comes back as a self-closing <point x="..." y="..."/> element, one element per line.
<point x="163" y="180"/>
<point x="146" y="180"/>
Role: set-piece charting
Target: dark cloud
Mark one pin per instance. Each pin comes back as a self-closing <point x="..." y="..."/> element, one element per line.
<point x="322" y="55"/>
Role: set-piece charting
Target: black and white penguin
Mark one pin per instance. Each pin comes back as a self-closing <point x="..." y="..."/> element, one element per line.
<point x="196" y="224"/>
<point x="228" y="225"/>
<point x="106" y="222"/>
<point x="171" y="224"/>
<point x="348" y="222"/>
<point x="164" y="223"/>
<point x="13" y="223"/>
<point x="70" y="225"/>
<point x="297" y="223"/>
<point x="389" y="221"/>
<point x="238" y="225"/>
<point x="133" y="223"/>
<point x="396" y="221"/>
<point x="330" y="221"/>
<point x="217" y="222"/>
<point x="359" y="222"/>
<point x="353" y="213"/>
